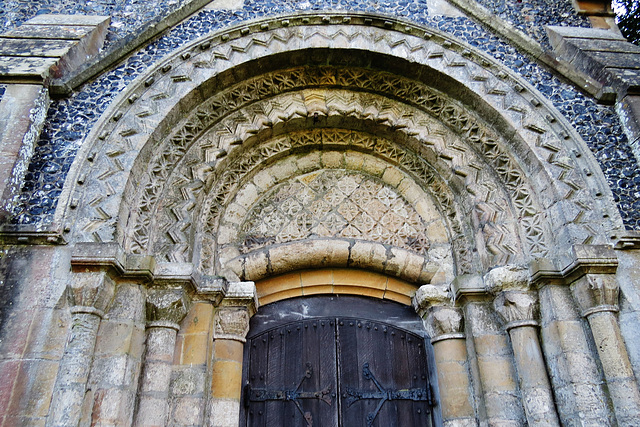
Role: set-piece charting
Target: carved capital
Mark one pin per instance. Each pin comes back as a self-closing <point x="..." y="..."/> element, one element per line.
<point x="166" y="307"/>
<point x="231" y="323"/>
<point x="236" y="308"/>
<point x="444" y="323"/>
<point x="241" y="294"/>
<point x="517" y="308"/>
<point x="428" y="296"/>
<point x="508" y="277"/>
<point x="90" y="292"/>
<point x="596" y="292"/>
<point x="441" y="320"/>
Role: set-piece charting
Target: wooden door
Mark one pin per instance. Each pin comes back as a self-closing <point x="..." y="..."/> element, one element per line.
<point x="337" y="371"/>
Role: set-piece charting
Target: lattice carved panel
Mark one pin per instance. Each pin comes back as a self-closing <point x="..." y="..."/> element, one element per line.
<point x="334" y="203"/>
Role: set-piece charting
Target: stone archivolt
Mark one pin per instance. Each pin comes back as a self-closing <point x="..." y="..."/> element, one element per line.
<point x="540" y="153"/>
<point x="462" y="166"/>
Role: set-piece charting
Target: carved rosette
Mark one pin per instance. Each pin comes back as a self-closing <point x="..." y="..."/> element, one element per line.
<point x="166" y="308"/>
<point x="231" y="323"/>
<point x="442" y="320"/>
<point x="596" y="293"/>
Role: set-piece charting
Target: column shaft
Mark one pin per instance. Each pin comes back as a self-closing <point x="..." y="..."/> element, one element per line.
<point x="577" y="384"/>
<point x="73" y="373"/>
<point x="453" y="381"/>
<point x="156" y="375"/>
<point x="226" y="383"/>
<point x="495" y="365"/>
<point x="623" y="387"/>
<point x="532" y="376"/>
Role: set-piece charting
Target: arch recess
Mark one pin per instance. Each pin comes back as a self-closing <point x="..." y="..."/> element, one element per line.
<point x="164" y="169"/>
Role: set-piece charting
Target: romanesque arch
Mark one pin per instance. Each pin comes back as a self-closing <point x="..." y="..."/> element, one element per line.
<point x="225" y="100"/>
<point x="332" y="142"/>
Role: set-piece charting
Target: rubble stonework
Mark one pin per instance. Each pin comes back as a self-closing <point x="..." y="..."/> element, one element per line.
<point x="254" y="152"/>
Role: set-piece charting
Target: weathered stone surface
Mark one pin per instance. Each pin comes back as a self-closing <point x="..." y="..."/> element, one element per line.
<point x="22" y="116"/>
<point x="25" y="55"/>
<point x="166" y="305"/>
<point x="464" y="169"/>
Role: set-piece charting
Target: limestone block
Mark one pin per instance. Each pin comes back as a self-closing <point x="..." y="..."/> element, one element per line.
<point x="367" y="254"/>
<point x="155" y="377"/>
<point x="160" y="345"/>
<point x="188" y="380"/>
<point x="23" y="109"/>
<point x="226" y="379"/>
<point x="224" y="413"/>
<point x="30" y="51"/>
<point x="187" y="411"/>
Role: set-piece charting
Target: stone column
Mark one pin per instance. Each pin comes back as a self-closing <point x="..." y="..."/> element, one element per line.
<point x="89" y="294"/>
<point x="517" y="307"/>
<point x="488" y="346"/>
<point x="597" y="296"/>
<point x="578" y="385"/>
<point x="165" y="310"/>
<point x="231" y="325"/>
<point x="445" y="325"/>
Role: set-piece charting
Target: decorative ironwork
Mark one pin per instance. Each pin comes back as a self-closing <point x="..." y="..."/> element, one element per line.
<point x="262" y="395"/>
<point x="415" y="394"/>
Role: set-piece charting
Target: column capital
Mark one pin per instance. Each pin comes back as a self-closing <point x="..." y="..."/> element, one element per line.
<point x="517" y="308"/>
<point x="235" y="310"/>
<point x="596" y="293"/>
<point x="507" y="278"/>
<point x="166" y="307"/>
<point x="428" y="296"/>
<point x="90" y="292"/>
<point x="441" y="319"/>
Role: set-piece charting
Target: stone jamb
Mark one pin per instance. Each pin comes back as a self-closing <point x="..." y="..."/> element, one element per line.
<point x="495" y="379"/>
<point x="517" y="306"/>
<point x="89" y="294"/>
<point x="596" y="291"/>
<point x="165" y="310"/>
<point x="445" y="325"/>
<point x="570" y="357"/>
<point x="231" y="325"/>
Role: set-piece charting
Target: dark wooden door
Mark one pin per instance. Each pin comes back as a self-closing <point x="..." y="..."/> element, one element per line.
<point x="337" y="371"/>
<point x="293" y="376"/>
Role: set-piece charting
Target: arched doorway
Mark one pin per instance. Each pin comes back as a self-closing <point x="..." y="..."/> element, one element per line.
<point x="338" y="360"/>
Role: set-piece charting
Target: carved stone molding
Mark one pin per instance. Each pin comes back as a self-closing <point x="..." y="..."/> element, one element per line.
<point x="110" y="260"/>
<point x="232" y="316"/>
<point x="231" y="323"/>
<point x="90" y="292"/>
<point x="134" y="120"/>
<point x="442" y="320"/>
<point x="508" y="277"/>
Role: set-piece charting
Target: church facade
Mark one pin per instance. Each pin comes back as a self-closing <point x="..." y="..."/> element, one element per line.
<point x="329" y="213"/>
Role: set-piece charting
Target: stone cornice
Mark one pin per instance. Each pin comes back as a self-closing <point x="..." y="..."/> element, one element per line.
<point x="144" y="268"/>
<point x="584" y="259"/>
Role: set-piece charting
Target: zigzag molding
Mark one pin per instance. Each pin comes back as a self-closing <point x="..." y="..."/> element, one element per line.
<point x="135" y="113"/>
